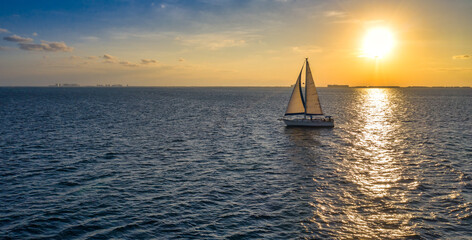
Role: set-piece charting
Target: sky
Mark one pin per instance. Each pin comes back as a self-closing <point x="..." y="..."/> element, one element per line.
<point x="232" y="42"/>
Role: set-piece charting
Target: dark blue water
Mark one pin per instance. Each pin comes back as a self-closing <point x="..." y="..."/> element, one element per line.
<point x="213" y="163"/>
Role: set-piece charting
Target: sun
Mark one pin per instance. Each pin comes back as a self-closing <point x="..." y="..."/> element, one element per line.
<point x="378" y="42"/>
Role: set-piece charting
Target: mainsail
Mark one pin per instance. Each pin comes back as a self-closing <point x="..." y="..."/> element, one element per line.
<point x="312" y="106"/>
<point x="296" y="105"/>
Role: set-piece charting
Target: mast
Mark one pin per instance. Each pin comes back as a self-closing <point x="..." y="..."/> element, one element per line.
<point x="312" y="101"/>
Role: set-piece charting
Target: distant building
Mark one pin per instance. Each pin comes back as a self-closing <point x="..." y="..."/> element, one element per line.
<point x="65" y="85"/>
<point x="109" y="85"/>
<point x="70" y="85"/>
<point x="338" y="86"/>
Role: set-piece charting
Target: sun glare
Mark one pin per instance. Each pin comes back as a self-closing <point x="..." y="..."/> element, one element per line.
<point x="378" y="42"/>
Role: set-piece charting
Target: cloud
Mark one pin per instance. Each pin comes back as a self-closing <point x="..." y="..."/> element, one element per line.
<point x="128" y="64"/>
<point x="75" y="58"/>
<point x="181" y="60"/>
<point x="18" y="39"/>
<point x="46" y="46"/>
<point x="307" y="49"/>
<point x="367" y="23"/>
<point x="3" y="48"/>
<point x="214" y="41"/>
<point x="462" y="57"/>
<point x="112" y="59"/>
<point x="78" y="60"/>
<point x="374" y="22"/>
<point x="3" y="30"/>
<point x="25" y="44"/>
<point x="335" y="14"/>
<point x="35" y="34"/>
<point x="148" y="61"/>
<point x="109" y="58"/>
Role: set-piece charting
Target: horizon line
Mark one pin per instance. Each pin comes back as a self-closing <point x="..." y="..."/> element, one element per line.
<point x="229" y="86"/>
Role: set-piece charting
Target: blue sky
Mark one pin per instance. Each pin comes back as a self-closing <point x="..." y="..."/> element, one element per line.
<point x="231" y="43"/>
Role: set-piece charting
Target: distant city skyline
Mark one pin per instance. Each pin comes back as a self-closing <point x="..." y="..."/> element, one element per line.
<point x="233" y="43"/>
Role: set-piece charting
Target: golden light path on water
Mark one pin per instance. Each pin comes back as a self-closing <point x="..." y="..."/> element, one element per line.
<point x="376" y="171"/>
<point x="370" y="200"/>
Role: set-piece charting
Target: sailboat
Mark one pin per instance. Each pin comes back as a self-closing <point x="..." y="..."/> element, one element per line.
<point x="309" y="106"/>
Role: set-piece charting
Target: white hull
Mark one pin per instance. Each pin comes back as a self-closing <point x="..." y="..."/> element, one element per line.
<point x="309" y="122"/>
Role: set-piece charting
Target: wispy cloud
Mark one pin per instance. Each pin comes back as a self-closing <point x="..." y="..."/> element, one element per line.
<point x="115" y="60"/>
<point x="374" y="22"/>
<point x="214" y="41"/>
<point x="46" y="46"/>
<point x="335" y="14"/>
<point x="462" y="57"/>
<point x="3" y="30"/>
<point x="75" y="58"/>
<point x="148" y="61"/>
<point x="345" y="19"/>
<point x="3" y="48"/>
<point x="17" y="39"/>
<point x="109" y="58"/>
<point x="122" y="34"/>
<point x="128" y="64"/>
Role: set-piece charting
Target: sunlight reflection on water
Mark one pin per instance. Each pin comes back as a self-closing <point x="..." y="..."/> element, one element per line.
<point x="376" y="171"/>
<point x="372" y="192"/>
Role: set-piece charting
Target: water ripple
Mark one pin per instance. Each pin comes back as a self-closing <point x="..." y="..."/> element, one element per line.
<point x="214" y="163"/>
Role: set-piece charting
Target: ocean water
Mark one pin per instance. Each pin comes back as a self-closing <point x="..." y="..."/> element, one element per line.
<point x="215" y="163"/>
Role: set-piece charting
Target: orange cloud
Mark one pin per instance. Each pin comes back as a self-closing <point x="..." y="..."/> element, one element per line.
<point x="462" y="57"/>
